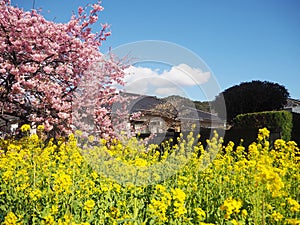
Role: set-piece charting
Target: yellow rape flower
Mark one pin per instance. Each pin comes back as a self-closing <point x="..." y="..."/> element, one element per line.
<point x="179" y="209"/>
<point x="7" y="175"/>
<point x="293" y="221"/>
<point x="94" y="174"/>
<point x="294" y="205"/>
<point x="178" y="194"/>
<point x="253" y="150"/>
<point x="11" y="219"/>
<point x="41" y="128"/>
<point x="35" y="194"/>
<point x="244" y="213"/>
<point x="263" y="134"/>
<point x="140" y="162"/>
<point x="202" y="223"/>
<point x="48" y="220"/>
<point x="235" y="222"/>
<point x="231" y="206"/>
<point x="200" y="214"/>
<point x="178" y="197"/>
<point x="279" y="143"/>
<point x="89" y="205"/>
<point x="158" y="208"/>
<point x="25" y="127"/>
<point x="62" y="182"/>
<point x="78" y="133"/>
<point x="54" y="209"/>
<point x="276" y="216"/>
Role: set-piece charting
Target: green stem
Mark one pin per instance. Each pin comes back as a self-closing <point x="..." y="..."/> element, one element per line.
<point x="263" y="210"/>
<point x="34" y="174"/>
<point x="135" y="212"/>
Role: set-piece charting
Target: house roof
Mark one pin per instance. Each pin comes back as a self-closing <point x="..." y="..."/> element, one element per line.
<point x="292" y="103"/>
<point x="151" y="104"/>
<point x="145" y="103"/>
<point x="136" y="102"/>
<point x="192" y="114"/>
<point x="7" y="118"/>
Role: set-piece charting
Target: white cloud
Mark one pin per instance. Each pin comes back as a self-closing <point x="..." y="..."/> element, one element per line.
<point x="164" y="92"/>
<point x="144" y="80"/>
<point x="186" y="75"/>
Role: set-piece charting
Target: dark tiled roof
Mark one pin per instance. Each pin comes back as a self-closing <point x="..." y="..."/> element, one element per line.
<point x="192" y="113"/>
<point x="292" y="103"/>
<point x="145" y="103"/>
<point x="7" y="118"/>
<point x="137" y="103"/>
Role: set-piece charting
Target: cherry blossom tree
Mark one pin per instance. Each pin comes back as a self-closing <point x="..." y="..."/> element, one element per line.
<point x="43" y="66"/>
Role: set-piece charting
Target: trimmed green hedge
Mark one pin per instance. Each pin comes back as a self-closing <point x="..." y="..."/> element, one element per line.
<point x="276" y="121"/>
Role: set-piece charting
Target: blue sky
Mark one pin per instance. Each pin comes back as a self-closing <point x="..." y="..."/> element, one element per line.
<point x="239" y="40"/>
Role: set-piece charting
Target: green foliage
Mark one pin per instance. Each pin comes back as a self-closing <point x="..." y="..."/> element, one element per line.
<point x="281" y="121"/>
<point x="203" y="106"/>
<point x="248" y="97"/>
<point x="179" y="101"/>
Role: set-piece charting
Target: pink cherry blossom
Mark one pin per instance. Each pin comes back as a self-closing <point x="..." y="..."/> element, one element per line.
<point x="43" y="64"/>
<point x="38" y="57"/>
<point x="98" y="7"/>
<point x="48" y="69"/>
<point x="80" y="10"/>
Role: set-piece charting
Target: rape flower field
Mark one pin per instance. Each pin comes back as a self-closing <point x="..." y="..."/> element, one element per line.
<point x="54" y="183"/>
